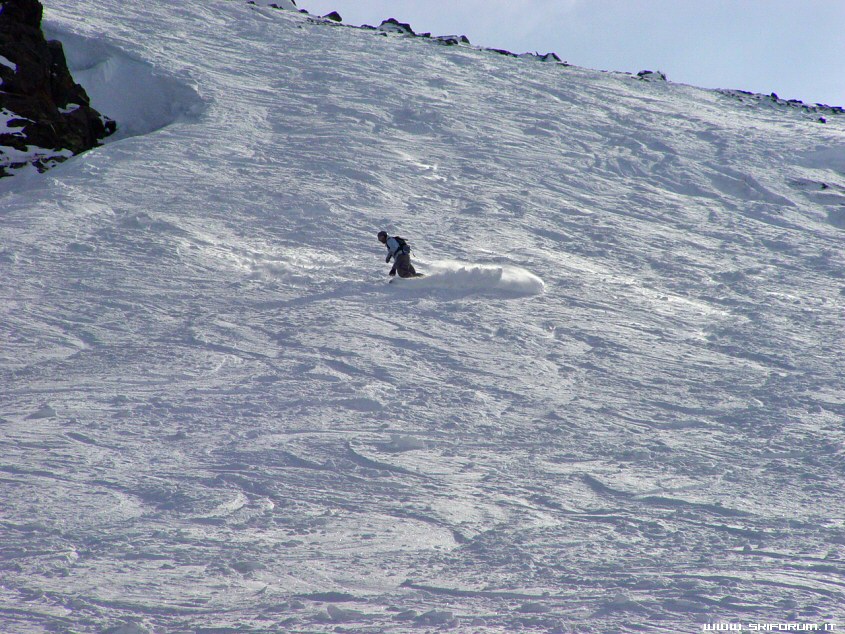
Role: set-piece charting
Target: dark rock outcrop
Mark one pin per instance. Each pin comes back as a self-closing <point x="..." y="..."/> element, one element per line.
<point x="451" y="40"/>
<point x="392" y="25"/>
<point x="651" y="75"/>
<point x="44" y="115"/>
<point x="773" y="100"/>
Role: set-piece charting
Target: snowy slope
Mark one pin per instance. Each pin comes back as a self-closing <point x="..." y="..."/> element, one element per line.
<point x="616" y="405"/>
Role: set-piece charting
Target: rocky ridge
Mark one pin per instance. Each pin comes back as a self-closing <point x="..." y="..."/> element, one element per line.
<point x="392" y="26"/>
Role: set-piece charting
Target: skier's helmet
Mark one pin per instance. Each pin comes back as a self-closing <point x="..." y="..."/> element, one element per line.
<point x="382" y="236"/>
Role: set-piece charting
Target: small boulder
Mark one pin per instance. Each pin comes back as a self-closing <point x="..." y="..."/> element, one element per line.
<point x="452" y="40"/>
<point x="651" y="75"/>
<point x="392" y="25"/>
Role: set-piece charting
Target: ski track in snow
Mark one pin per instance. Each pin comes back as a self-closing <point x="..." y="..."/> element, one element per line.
<point x="615" y="404"/>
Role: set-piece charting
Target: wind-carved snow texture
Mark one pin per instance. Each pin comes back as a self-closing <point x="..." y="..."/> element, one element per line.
<point x="217" y="415"/>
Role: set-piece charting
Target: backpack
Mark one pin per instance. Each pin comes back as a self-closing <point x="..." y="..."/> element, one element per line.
<point x="404" y="247"/>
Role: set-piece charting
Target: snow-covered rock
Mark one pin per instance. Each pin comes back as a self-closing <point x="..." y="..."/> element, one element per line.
<point x="47" y="115"/>
<point x="392" y="25"/>
<point x="651" y="75"/>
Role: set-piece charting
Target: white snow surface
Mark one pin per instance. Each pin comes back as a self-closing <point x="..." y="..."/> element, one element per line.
<point x="5" y="61"/>
<point x="614" y="405"/>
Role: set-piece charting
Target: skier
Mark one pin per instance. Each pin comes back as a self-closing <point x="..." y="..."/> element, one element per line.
<point x="400" y="252"/>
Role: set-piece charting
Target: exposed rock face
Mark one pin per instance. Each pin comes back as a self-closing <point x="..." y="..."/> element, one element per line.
<point x="45" y="116"/>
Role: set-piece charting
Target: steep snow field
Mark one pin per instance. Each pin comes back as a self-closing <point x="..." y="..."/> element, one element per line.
<point x="616" y="403"/>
